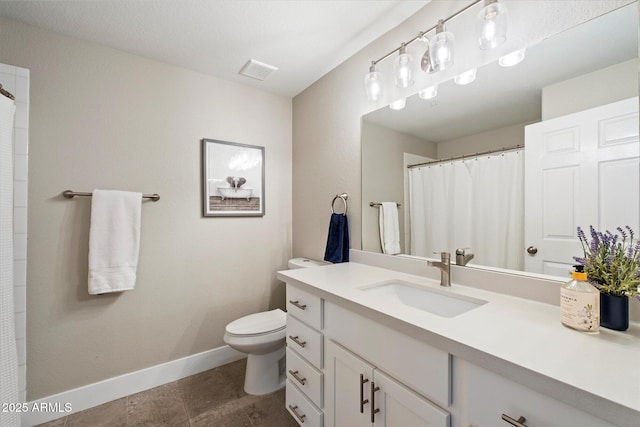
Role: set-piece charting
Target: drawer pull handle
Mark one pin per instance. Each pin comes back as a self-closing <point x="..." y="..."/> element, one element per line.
<point x="294" y="409"/>
<point x="297" y="304"/>
<point x="295" y="339"/>
<point x="363" y="381"/>
<point x="301" y="380"/>
<point x="374" y="410"/>
<point x="518" y="423"/>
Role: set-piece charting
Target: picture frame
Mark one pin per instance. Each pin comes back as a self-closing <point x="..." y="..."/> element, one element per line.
<point x="232" y="179"/>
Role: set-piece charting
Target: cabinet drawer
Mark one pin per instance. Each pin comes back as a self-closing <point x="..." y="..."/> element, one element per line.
<point x="490" y="395"/>
<point x="306" y="341"/>
<point x="301" y="408"/>
<point x="304" y="306"/>
<point x="306" y="377"/>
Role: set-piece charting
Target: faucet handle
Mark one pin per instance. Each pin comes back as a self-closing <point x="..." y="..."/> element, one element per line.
<point x="461" y="251"/>
<point x="443" y="254"/>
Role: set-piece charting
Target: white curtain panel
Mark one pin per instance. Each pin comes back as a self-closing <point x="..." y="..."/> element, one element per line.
<point x="8" y="354"/>
<point x="474" y="203"/>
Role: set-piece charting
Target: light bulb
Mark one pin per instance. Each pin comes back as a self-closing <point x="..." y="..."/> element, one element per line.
<point x="402" y="68"/>
<point x="398" y="104"/>
<point x="429" y="93"/>
<point x="441" y="48"/>
<point x="466" y="77"/>
<point x="491" y="24"/>
<point x="513" y="58"/>
<point x="373" y="84"/>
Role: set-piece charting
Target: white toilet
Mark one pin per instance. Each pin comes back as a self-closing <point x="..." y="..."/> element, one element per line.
<point x="262" y="337"/>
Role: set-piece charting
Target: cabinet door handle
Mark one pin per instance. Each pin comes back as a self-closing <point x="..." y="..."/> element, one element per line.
<point x="374" y="410"/>
<point x="295" y="339"/>
<point x="363" y="381"/>
<point x="297" y="304"/>
<point x="518" y="423"/>
<point x="300" y="379"/>
<point x="294" y="409"/>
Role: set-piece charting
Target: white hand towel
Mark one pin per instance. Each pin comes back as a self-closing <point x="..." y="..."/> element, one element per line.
<point x="114" y="240"/>
<point x="389" y="228"/>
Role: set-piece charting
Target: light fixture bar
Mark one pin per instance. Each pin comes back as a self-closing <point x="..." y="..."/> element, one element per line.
<point x="422" y="33"/>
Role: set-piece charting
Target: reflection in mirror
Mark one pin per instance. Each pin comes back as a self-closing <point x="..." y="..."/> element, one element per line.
<point x="565" y="103"/>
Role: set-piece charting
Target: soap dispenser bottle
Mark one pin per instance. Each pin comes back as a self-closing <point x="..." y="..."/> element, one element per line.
<point x="580" y="303"/>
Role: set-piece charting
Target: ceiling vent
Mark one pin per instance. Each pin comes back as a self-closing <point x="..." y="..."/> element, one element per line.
<point x="257" y="70"/>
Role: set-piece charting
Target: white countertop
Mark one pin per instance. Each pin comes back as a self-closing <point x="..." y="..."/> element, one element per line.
<point x="522" y="332"/>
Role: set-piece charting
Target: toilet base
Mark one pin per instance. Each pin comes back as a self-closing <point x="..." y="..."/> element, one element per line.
<point x="264" y="373"/>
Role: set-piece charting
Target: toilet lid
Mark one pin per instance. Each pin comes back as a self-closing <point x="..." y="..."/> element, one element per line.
<point x="258" y="323"/>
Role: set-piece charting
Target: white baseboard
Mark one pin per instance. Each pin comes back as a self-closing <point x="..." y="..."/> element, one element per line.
<point x="79" y="399"/>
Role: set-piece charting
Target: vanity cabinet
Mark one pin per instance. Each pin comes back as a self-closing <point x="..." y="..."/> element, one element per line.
<point x="492" y="399"/>
<point x="349" y="366"/>
<point x="359" y="394"/>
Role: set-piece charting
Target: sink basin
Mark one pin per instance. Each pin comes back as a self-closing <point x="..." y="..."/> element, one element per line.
<point x="430" y="300"/>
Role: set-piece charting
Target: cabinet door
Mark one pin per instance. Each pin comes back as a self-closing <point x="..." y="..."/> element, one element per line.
<point x="400" y="407"/>
<point x="347" y="381"/>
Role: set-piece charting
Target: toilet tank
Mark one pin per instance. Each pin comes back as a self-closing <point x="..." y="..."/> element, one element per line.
<point x="304" y="263"/>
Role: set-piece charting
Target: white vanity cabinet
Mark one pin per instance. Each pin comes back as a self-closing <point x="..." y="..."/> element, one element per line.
<point x="493" y="400"/>
<point x="305" y="357"/>
<point x="359" y="394"/>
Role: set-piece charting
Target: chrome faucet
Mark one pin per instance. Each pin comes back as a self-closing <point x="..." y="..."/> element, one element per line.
<point x="445" y="268"/>
<point x="463" y="258"/>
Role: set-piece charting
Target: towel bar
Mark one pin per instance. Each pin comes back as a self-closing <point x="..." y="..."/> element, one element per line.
<point x="378" y="204"/>
<point x="344" y="198"/>
<point x="71" y="194"/>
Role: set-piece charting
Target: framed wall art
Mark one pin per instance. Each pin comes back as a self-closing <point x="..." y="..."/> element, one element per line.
<point x="232" y="179"/>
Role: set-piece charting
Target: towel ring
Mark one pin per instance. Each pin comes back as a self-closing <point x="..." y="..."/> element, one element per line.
<point x="344" y="198"/>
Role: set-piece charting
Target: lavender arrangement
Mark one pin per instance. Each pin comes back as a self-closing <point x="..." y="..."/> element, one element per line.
<point x="612" y="261"/>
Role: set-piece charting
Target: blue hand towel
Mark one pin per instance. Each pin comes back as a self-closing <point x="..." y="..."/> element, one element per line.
<point x="338" y="239"/>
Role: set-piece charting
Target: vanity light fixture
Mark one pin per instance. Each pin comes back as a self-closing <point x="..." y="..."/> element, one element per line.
<point x="513" y="58"/>
<point x="398" y="104"/>
<point x="373" y="83"/>
<point x="429" y="93"/>
<point x="403" y="68"/>
<point x="491" y="24"/>
<point x="466" y="77"/>
<point x="440" y="52"/>
<point x="441" y="48"/>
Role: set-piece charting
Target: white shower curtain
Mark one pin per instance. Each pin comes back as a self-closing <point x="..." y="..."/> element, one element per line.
<point x="8" y="354"/>
<point x="475" y="203"/>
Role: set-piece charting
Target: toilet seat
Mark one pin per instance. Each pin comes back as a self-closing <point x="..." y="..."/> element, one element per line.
<point x="258" y="324"/>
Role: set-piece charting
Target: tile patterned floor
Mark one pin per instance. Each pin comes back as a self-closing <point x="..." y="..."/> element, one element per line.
<point x="211" y="398"/>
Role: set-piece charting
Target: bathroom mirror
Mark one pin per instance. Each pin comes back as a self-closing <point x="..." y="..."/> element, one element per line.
<point x="492" y="112"/>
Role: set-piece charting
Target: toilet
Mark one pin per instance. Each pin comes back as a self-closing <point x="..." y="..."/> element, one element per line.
<point x="262" y="337"/>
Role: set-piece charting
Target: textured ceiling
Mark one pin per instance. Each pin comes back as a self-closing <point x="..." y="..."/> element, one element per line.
<point x="305" y="39"/>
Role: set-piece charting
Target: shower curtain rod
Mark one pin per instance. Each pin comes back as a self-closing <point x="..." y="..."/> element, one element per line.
<point x="466" y="156"/>
<point x="6" y="93"/>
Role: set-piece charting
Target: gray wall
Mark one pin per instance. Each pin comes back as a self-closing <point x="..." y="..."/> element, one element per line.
<point x="102" y="118"/>
<point x="383" y="171"/>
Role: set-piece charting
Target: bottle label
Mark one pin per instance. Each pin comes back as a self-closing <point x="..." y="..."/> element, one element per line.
<point x="580" y="310"/>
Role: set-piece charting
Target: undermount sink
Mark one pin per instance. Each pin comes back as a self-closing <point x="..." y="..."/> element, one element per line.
<point x="423" y="298"/>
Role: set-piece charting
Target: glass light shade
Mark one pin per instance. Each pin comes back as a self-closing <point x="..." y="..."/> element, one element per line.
<point x="511" y="59"/>
<point x="441" y="50"/>
<point x="399" y="104"/>
<point x="466" y="77"/>
<point x="491" y="25"/>
<point x="403" y="70"/>
<point x="429" y="93"/>
<point x="373" y="84"/>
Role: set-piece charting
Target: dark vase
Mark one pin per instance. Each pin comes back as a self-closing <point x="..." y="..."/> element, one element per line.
<point x="614" y="312"/>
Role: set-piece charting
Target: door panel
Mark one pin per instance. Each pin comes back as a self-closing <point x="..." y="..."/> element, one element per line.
<point x="581" y="169"/>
